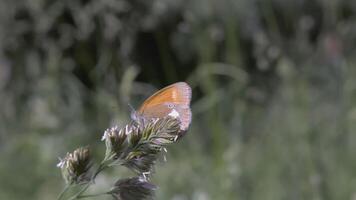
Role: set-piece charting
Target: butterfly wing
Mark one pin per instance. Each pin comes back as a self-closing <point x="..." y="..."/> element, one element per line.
<point x="178" y="93"/>
<point x="172" y="100"/>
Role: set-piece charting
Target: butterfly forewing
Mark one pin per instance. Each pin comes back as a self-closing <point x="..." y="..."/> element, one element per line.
<point x="178" y="93"/>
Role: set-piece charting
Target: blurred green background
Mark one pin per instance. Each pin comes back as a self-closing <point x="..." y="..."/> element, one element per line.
<point x="274" y="92"/>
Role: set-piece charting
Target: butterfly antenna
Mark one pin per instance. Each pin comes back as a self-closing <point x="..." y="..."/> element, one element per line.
<point x="133" y="114"/>
<point x="131" y="107"/>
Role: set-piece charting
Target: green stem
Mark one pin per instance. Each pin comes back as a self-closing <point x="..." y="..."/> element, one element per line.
<point x="92" y="195"/>
<point x="65" y="189"/>
<point x="76" y="196"/>
<point x="101" y="167"/>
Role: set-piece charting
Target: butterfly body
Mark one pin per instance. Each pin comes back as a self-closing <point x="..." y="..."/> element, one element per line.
<point x="173" y="100"/>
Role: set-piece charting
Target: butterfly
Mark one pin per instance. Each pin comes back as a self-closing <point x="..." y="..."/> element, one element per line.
<point x="173" y="100"/>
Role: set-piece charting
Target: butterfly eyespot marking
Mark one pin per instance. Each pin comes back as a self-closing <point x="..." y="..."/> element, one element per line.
<point x="170" y="105"/>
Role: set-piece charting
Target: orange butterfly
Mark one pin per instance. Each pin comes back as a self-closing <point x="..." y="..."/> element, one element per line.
<point x="173" y="100"/>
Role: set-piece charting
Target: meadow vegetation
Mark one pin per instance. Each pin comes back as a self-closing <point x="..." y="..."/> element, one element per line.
<point x="274" y="93"/>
